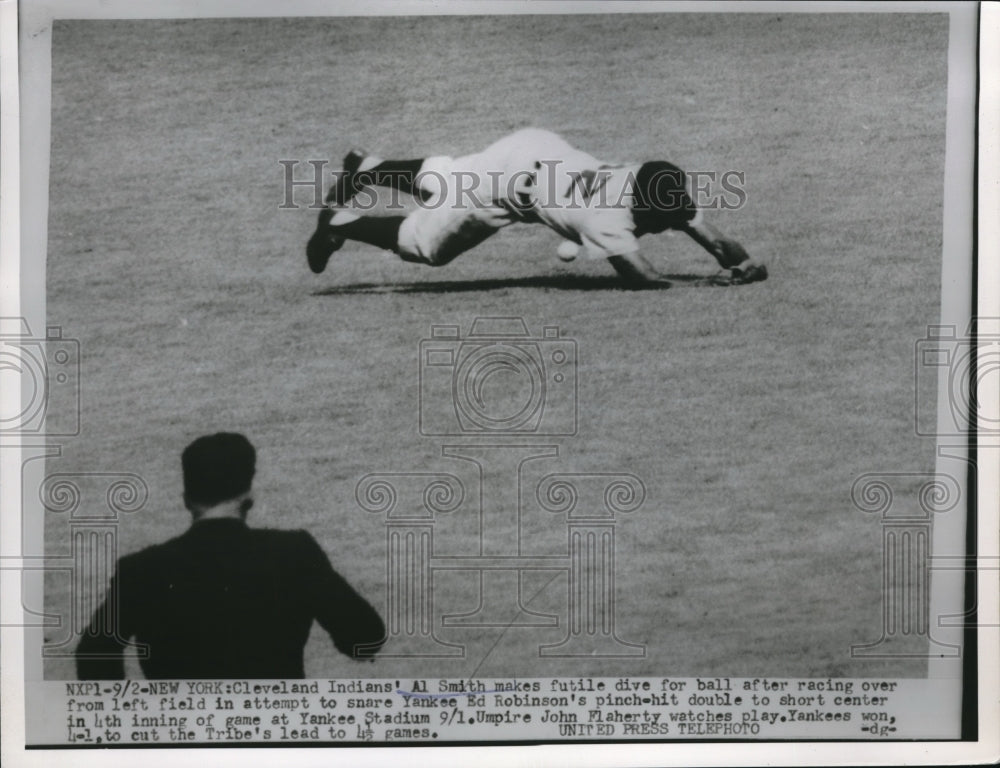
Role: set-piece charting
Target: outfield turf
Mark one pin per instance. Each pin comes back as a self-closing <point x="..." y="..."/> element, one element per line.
<point x="748" y="412"/>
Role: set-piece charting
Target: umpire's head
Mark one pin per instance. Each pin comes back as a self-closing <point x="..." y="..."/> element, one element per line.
<point x="661" y="197"/>
<point x="218" y="468"/>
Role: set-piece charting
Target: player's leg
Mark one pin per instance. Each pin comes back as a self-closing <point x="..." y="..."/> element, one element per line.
<point x="336" y="227"/>
<point x="436" y="235"/>
<point x="323" y="243"/>
<point x="362" y="169"/>
<point x="432" y="236"/>
<point x="380" y="231"/>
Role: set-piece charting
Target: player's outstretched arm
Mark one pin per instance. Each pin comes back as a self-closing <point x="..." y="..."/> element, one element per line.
<point x="729" y="253"/>
<point x="636" y="270"/>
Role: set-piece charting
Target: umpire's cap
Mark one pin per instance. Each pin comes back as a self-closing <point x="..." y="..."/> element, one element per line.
<point x="661" y="197"/>
<point x="218" y="467"/>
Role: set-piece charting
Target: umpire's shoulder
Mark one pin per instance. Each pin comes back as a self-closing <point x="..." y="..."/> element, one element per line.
<point x="295" y="539"/>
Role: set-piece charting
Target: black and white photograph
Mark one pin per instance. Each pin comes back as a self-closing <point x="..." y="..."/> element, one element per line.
<point x="484" y="374"/>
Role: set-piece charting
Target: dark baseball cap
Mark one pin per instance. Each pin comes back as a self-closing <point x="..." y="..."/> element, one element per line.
<point x="661" y="197"/>
<point x="218" y="467"/>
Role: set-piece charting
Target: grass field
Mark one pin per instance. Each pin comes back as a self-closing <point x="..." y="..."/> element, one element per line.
<point x="748" y="412"/>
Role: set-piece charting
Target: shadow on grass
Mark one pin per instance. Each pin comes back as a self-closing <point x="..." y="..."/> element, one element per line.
<point x="543" y="282"/>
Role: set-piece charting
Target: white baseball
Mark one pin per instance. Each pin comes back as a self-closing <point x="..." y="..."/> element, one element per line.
<point x="567" y="250"/>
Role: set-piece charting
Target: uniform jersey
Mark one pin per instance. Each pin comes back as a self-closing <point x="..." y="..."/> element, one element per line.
<point x="532" y="175"/>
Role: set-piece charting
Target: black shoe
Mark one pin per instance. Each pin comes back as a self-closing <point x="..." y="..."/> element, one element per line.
<point x="323" y="243"/>
<point x="347" y="185"/>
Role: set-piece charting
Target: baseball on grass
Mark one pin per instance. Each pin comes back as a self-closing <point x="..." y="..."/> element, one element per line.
<point x="567" y="250"/>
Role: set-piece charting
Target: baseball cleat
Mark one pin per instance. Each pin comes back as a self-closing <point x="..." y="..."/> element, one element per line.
<point x="347" y="185"/>
<point x="323" y="243"/>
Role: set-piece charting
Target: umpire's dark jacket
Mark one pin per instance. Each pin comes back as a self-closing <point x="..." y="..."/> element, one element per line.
<point x="225" y="601"/>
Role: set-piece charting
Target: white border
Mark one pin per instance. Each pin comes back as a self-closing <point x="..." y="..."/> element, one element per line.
<point x="988" y="233"/>
<point x="35" y="83"/>
<point x="12" y="725"/>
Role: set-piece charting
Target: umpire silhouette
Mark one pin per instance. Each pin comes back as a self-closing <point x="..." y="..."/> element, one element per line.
<point x="224" y="600"/>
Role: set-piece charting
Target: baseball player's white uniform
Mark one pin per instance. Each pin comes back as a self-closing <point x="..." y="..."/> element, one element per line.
<point x="530" y="175"/>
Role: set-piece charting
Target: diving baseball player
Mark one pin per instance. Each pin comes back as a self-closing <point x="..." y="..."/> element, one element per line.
<point x="530" y="176"/>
